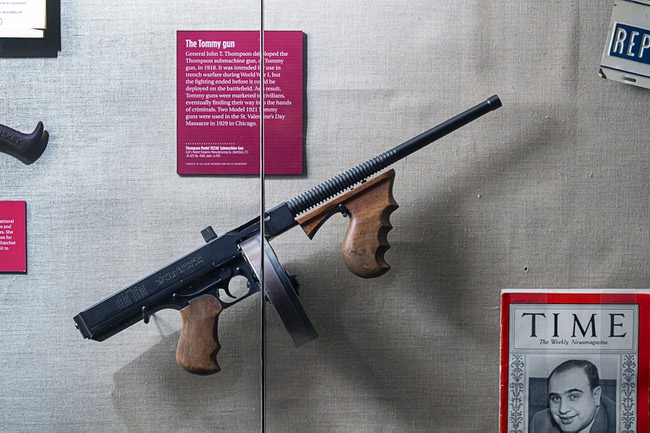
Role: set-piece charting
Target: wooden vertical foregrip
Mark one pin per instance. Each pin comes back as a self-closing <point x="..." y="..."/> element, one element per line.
<point x="366" y="240"/>
<point x="369" y="207"/>
<point x="198" y="344"/>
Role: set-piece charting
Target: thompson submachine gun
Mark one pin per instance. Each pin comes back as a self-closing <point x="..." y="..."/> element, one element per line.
<point x="198" y="283"/>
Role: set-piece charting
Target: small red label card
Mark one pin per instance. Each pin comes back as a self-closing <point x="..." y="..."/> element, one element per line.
<point x="13" y="239"/>
<point x="218" y="85"/>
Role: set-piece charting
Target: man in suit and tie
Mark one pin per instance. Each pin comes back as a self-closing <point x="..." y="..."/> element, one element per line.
<point x="575" y="402"/>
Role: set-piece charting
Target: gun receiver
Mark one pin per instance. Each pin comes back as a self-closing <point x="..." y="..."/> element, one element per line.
<point x="198" y="283"/>
<point x="25" y="147"/>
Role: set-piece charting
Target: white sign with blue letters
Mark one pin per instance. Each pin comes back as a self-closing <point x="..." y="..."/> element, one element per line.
<point x="627" y="53"/>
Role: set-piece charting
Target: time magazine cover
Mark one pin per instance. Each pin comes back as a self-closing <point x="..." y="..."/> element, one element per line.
<point x="574" y="361"/>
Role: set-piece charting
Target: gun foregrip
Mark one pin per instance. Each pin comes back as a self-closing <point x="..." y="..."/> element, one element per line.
<point x="25" y="147"/>
<point x="366" y="240"/>
<point x="198" y="344"/>
<point x="369" y="207"/>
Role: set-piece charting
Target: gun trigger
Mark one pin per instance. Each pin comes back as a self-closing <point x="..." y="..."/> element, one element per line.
<point x="208" y="234"/>
<point x="343" y="210"/>
<point x="227" y="291"/>
<point x="145" y="315"/>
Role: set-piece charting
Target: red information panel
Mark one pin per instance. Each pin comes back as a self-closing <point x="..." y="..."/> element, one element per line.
<point x="13" y="240"/>
<point x="218" y="84"/>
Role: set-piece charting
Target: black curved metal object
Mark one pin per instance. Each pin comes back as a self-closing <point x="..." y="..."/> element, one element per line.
<point x="25" y="147"/>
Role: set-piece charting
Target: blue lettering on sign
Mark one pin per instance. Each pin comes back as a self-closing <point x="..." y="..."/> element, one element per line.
<point x="631" y="43"/>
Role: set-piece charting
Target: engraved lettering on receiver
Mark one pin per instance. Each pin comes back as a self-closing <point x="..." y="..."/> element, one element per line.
<point x="10" y="137"/>
<point x="130" y="296"/>
<point x="179" y="270"/>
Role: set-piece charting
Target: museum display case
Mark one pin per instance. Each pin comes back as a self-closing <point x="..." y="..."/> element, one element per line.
<point x="158" y="127"/>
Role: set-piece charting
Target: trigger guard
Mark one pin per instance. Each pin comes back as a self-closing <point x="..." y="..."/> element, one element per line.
<point x="227" y="293"/>
<point x="224" y="290"/>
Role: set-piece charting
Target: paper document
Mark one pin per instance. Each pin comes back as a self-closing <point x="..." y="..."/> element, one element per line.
<point x="22" y="18"/>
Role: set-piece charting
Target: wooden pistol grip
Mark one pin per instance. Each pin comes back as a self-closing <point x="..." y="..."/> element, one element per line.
<point x="369" y="207"/>
<point x="198" y="344"/>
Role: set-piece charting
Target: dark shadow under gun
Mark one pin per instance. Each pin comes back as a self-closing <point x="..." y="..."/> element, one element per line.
<point x="198" y="284"/>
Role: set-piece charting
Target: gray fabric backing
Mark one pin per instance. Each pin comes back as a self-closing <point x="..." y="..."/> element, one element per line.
<point x="548" y="192"/>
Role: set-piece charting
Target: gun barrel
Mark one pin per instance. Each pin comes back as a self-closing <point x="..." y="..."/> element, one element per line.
<point x="340" y="183"/>
<point x="449" y="126"/>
